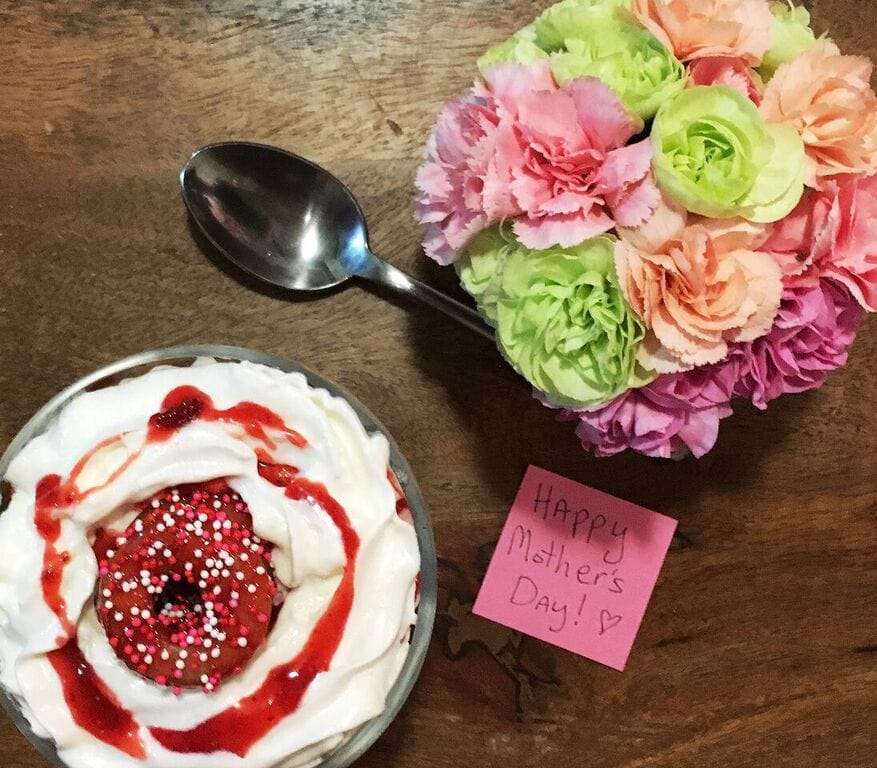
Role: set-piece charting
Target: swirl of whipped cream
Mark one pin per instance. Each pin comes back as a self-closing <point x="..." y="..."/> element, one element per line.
<point x="100" y="445"/>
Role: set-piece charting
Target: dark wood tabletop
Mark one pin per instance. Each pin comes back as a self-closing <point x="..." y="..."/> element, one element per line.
<point x="759" y="647"/>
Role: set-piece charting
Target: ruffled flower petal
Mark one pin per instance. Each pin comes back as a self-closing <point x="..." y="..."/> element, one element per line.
<point x="693" y="29"/>
<point x="675" y="414"/>
<point x="832" y="234"/>
<point x="828" y="99"/>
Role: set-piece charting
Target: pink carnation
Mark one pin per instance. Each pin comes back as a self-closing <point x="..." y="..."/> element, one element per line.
<point x="519" y="146"/>
<point x="833" y="233"/>
<point x="675" y="413"/>
<point x="810" y="336"/>
<point x="461" y="162"/>
<point x="727" y="70"/>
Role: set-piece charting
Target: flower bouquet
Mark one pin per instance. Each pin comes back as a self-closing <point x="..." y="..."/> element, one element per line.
<point x="661" y="205"/>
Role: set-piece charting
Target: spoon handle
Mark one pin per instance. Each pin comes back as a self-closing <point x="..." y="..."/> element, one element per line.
<point x="379" y="271"/>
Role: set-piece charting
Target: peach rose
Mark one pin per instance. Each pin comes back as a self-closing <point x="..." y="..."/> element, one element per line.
<point x="692" y="29"/>
<point x="828" y="98"/>
<point x="699" y="293"/>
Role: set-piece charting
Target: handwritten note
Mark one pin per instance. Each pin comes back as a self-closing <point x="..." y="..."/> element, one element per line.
<point x="575" y="567"/>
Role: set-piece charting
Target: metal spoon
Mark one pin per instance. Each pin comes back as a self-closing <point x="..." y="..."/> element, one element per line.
<point x="291" y="223"/>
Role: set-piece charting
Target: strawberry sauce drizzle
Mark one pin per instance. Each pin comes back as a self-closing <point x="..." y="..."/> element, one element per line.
<point x="280" y="475"/>
<point x="238" y="728"/>
<point x="186" y="404"/>
<point x="92" y="705"/>
<point x="50" y="495"/>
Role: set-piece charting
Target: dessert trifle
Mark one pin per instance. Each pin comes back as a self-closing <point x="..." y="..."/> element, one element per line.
<point x="209" y="564"/>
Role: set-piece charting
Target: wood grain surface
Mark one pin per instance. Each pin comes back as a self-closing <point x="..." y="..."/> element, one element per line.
<point x="759" y="647"/>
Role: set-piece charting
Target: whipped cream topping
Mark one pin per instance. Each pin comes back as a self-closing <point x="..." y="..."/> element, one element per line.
<point x="308" y="558"/>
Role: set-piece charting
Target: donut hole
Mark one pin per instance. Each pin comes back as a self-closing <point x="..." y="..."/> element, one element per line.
<point x="181" y="604"/>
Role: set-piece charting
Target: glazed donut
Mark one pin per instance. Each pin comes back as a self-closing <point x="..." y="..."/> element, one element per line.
<point x="186" y="594"/>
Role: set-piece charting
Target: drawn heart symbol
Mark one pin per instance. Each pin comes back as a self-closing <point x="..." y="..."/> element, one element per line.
<point x="607" y="620"/>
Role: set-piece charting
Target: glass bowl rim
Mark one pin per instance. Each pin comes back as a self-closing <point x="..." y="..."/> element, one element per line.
<point x="366" y="734"/>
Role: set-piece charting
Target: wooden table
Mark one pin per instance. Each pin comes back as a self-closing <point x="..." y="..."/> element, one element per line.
<point x="760" y="645"/>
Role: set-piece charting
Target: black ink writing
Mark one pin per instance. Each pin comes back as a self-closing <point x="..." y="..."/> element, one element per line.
<point x="524" y="538"/>
<point x="543" y="501"/>
<point x="553" y="558"/>
<point x="583" y="576"/>
<point x="582" y="607"/>
<point x="608" y="620"/>
<point x="580" y="522"/>
<point x="619" y="534"/>
<point x="527" y="593"/>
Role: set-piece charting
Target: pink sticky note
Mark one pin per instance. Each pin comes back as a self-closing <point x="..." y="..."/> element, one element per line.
<point x="575" y="567"/>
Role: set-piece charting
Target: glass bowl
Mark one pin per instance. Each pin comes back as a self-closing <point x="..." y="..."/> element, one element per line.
<point x="368" y="733"/>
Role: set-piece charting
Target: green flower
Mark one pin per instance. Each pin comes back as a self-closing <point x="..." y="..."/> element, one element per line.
<point x="553" y="26"/>
<point x="563" y="323"/>
<point x="481" y="264"/>
<point x="791" y="36"/>
<point x="520" y="47"/>
<point x="629" y="59"/>
<point x="717" y="157"/>
<point x="602" y="39"/>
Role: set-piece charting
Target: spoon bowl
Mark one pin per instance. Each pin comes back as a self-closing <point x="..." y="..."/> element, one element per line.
<point x="274" y="214"/>
<point x="291" y="223"/>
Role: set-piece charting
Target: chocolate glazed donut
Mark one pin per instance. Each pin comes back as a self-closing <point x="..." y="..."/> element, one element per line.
<point x="186" y="593"/>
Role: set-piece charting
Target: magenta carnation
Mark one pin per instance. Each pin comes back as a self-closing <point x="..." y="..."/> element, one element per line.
<point x="520" y="146"/>
<point x="810" y="336"/>
<point x="675" y="413"/>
